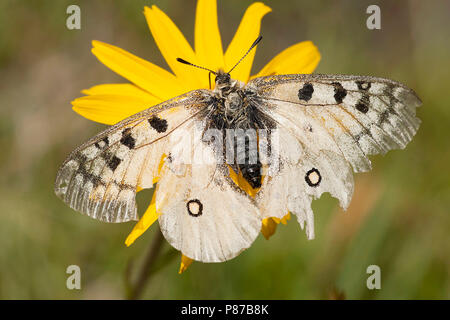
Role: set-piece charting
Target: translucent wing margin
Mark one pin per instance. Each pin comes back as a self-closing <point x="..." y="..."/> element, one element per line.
<point x="100" y="177"/>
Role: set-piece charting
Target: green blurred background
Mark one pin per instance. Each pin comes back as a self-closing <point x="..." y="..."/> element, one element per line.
<point x="399" y="216"/>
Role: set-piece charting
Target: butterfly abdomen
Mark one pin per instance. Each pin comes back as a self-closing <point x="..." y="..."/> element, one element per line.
<point x="252" y="174"/>
<point x="247" y="157"/>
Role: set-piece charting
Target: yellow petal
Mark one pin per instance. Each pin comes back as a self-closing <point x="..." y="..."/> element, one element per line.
<point x="208" y="43"/>
<point x="248" y="31"/>
<point x="161" y="163"/>
<point x="110" y="109"/>
<point x="150" y="216"/>
<point x="302" y="58"/>
<point x="268" y="228"/>
<point x="185" y="263"/>
<point x="111" y="103"/>
<point x="159" y="82"/>
<point x="269" y="225"/>
<point x="285" y="219"/>
<point x="173" y="45"/>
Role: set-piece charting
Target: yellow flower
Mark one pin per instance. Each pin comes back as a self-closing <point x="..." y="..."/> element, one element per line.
<point x="150" y="84"/>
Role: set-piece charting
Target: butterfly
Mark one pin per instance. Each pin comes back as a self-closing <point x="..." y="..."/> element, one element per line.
<point x="312" y="132"/>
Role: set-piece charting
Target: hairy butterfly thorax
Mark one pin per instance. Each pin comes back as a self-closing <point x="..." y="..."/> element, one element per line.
<point x="232" y="103"/>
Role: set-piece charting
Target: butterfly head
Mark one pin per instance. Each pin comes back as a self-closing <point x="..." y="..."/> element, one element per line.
<point x="223" y="81"/>
<point x="222" y="78"/>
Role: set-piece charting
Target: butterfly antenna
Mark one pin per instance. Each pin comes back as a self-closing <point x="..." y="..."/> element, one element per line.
<point x="248" y="51"/>
<point x="194" y="65"/>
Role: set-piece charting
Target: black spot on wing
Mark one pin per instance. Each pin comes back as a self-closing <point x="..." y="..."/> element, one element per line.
<point x="160" y="125"/>
<point x="102" y="143"/>
<point x="313" y="177"/>
<point x="306" y="92"/>
<point x="339" y="92"/>
<point x="362" y="107"/>
<point x="363" y="85"/>
<point x="363" y="104"/>
<point x="113" y="163"/>
<point x="194" y="208"/>
<point x="127" y="139"/>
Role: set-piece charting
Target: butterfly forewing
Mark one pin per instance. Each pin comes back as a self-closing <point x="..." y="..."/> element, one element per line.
<point x="100" y="177"/>
<point x="353" y="115"/>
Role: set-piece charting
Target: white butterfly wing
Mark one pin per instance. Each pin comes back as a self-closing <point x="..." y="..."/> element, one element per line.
<point x="203" y="214"/>
<point x="337" y="121"/>
<point x="352" y="115"/>
<point x="100" y="177"/>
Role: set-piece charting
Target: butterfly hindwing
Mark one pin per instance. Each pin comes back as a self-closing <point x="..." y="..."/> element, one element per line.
<point x="203" y="214"/>
<point x="100" y="177"/>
